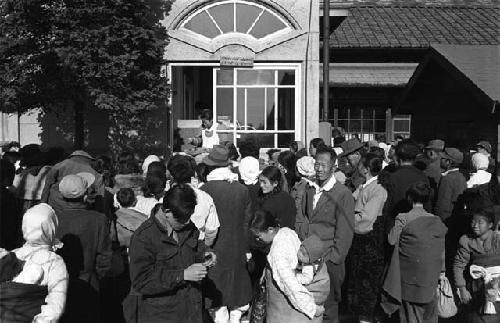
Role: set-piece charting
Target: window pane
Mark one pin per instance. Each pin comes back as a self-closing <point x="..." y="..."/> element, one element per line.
<point x="262" y="140"/>
<point x="225" y="106"/>
<point x="255" y="109"/>
<point x="270" y="109"/>
<point x="355" y="113"/>
<point x="286" y="109"/>
<point x="224" y="16"/>
<point x="401" y="125"/>
<point x="368" y="125"/>
<point x="379" y="125"/>
<point x="343" y="124"/>
<point x="284" y="139"/>
<point x="266" y="25"/>
<point x="286" y="77"/>
<point x="225" y="77"/>
<point x="202" y="24"/>
<point x="245" y="16"/>
<point x="380" y="113"/>
<point x="355" y="126"/>
<point x="255" y="77"/>
<point x="342" y="113"/>
<point x="240" y="108"/>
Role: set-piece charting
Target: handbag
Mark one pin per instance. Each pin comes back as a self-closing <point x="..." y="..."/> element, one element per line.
<point x="119" y="256"/>
<point x="258" y="312"/>
<point x="446" y="303"/>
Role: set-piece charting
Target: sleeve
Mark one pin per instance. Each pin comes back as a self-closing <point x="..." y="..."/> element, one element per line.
<point x="344" y="229"/>
<point x="212" y="222"/>
<point x="104" y="251"/>
<point x="395" y="232"/>
<point x="305" y="276"/>
<point x="246" y="220"/>
<point x="373" y="207"/>
<point x="57" y="289"/>
<point x="49" y="181"/>
<point x="146" y="277"/>
<point x="444" y="199"/>
<point x="462" y="259"/>
<point x="280" y="260"/>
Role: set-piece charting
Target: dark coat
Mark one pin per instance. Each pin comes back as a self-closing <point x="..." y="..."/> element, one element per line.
<point x="157" y="262"/>
<point x="282" y="206"/>
<point x="451" y="187"/>
<point x="229" y="283"/>
<point x="11" y="236"/>
<point x="332" y="220"/>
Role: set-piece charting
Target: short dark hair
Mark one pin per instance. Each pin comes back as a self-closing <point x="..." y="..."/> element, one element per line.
<point x="127" y="164"/>
<point x="232" y="151"/>
<point x="316" y="142"/>
<point x="206" y="114"/>
<point x="294" y="146"/>
<point x="181" y="169"/>
<point x="126" y="197"/>
<point x="487" y="213"/>
<point x="273" y="174"/>
<point x="372" y="162"/>
<point x="156" y="167"/>
<point x="419" y="192"/>
<point x="323" y="149"/>
<point x="263" y="220"/>
<point x="155" y="185"/>
<point x="12" y="157"/>
<point x="249" y="148"/>
<point x="407" y="150"/>
<point x="181" y="201"/>
<point x="271" y="152"/>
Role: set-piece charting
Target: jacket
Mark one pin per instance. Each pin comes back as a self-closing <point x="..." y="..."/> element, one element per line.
<point x="157" y="262"/>
<point x="282" y="206"/>
<point x="332" y="220"/>
<point x="452" y="185"/>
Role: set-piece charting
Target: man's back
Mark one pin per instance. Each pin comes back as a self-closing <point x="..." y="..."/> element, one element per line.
<point x="452" y="185"/>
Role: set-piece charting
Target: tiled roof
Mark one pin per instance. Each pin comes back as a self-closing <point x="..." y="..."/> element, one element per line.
<point x="369" y="74"/>
<point x="417" y="24"/>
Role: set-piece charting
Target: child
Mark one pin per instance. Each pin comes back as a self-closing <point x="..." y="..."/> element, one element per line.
<point x="127" y="219"/>
<point x="481" y="250"/>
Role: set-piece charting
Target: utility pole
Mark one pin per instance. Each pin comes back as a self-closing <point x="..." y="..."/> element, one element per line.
<point x="326" y="59"/>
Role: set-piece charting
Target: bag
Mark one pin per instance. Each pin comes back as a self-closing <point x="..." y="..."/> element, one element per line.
<point x="258" y="312"/>
<point x="119" y="256"/>
<point x="446" y="302"/>
<point x="20" y="303"/>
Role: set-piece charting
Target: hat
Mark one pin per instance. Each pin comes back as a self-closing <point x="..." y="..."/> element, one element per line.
<point x="150" y="159"/>
<point x="40" y="225"/>
<point x="350" y="146"/>
<point x="436" y="144"/>
<point x="74" y="186"/>
<point x="305" y="166"/>
<point x="249" y="170"/>
<point x="315" y="247"/>
<point x="81" y="153"/>
<point x="219" y="156"/>
<point x="486" y="145"/>
<point x="372" y="143"/>
<point x="452" y="154"/>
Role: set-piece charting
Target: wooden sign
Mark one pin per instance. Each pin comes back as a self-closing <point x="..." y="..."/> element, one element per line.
<point x="236" y="61"/>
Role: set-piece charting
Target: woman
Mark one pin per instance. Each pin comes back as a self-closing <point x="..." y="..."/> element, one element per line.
<point x="481" y="249"/>
<point x="480" y="163"/>
<point x="287" y="299"/>
<point x="272" y="199"/>
<point x="287" y="163"/>
<point x="366" y="256"/>
<point x="249" y="176"/>
<point x="42" y="266"/>
<point x="305" y="168"/>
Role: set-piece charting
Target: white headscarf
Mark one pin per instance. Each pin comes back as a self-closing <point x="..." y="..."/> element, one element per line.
<point x="40" y="225"/>
<point x="480" y="161"/>
<point x="249" y="170"/>
<point x="305" y="166"/>
<point x="148" y="161"/>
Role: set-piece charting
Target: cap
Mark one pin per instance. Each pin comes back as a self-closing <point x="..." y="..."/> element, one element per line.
<point x="74" y="186"/>
<point x="453" y="154"/>
<point x="81" y="153"/>
<point x="436" y="144"/>
<point x="486" y="145"/>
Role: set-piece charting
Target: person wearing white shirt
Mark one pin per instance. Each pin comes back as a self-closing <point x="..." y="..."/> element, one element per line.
<point x="480" y="163"/>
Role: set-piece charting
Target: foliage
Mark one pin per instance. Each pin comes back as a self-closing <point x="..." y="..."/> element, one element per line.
<point x="71" y="55"/>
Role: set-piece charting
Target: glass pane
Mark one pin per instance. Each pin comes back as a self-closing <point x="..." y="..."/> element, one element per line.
<point x="255" y="77"/>
<point x="286" y="109"/>
<point x="270" y="109"/>
<point x="245" y="16"/>
<point x="284" y="139"/>
<point x="368" y="125"/>
<point x="225" y="107"/>
<point x="379" y="125"/>
<point x="255" y="109"/>
<point x="355" y="126"/>
<point x="240" y="108"/>
<point x="266" y="25"/>
<point x="343" y="113"/>
<point x="343" y="124"/>
<point x="401" y="126"/>
<point x="225" y="77"/>
<point x="355" y="113"/>
<point x="262" y="140"/>
<point x="224" y="16"/>
<point x="380" y="113"/>
<point x="286" y="77"/>
<point x="202" y="24"/>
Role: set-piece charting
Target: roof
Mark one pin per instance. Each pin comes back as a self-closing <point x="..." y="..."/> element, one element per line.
<point x="417" y="24"/>
<point x="369" y="74"/>
<point x="480" y="64"/>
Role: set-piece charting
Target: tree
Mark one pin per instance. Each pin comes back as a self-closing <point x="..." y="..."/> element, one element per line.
<point x="72" y="55"/>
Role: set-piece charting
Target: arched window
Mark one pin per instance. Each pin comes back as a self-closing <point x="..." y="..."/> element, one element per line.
<point x="235" y="16"/>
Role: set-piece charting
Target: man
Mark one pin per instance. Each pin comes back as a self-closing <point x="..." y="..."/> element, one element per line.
<point x="86" y="248"/>
<point x="401" y="179"/>
<point x="452" y="184"/>
<point x="328" y="212"/>
<point x="11" y="236"/>
<point x="432" y="151"/>
<point x="209" y="136"/>
<point x="353" y="150"/>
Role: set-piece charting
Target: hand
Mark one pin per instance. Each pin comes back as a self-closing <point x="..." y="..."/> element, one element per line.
<point x="320" y="309"/>
<point x="195" y="272"/>
<point x="464" y="295"/>
<point x="210" y="259"/>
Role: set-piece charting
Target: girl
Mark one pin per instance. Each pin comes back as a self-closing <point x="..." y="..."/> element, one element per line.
<point x="272" y="199"/>
<point x="481" y="248"/>
<point x="366" y="256"/>
<point x="287" y="299"/>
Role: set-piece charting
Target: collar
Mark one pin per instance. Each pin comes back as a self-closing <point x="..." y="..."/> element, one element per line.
<point x="222" y="174"/>
<point x="326" y="186"/>
<point x="163" y="224"/>
<point x="368" y="182"/>
<point x="450" y="171"/>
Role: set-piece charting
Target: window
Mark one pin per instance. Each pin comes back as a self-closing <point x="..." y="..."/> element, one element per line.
<point x="235" y="16"/>
<point x="258" y="103"/>
<point x="401" y="125"/>
<point x="366" y="123"/>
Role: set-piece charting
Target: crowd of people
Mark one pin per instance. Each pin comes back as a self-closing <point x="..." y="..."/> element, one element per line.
<point x="377" y="232"/>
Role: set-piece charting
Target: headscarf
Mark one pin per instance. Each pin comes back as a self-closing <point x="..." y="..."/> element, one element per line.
<point x="305" y="166"/>
<point x="249" y="170"/>
<point x="40" y="225"/>
<point x="148" y="161"/>
<point x="480" y="161"/>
